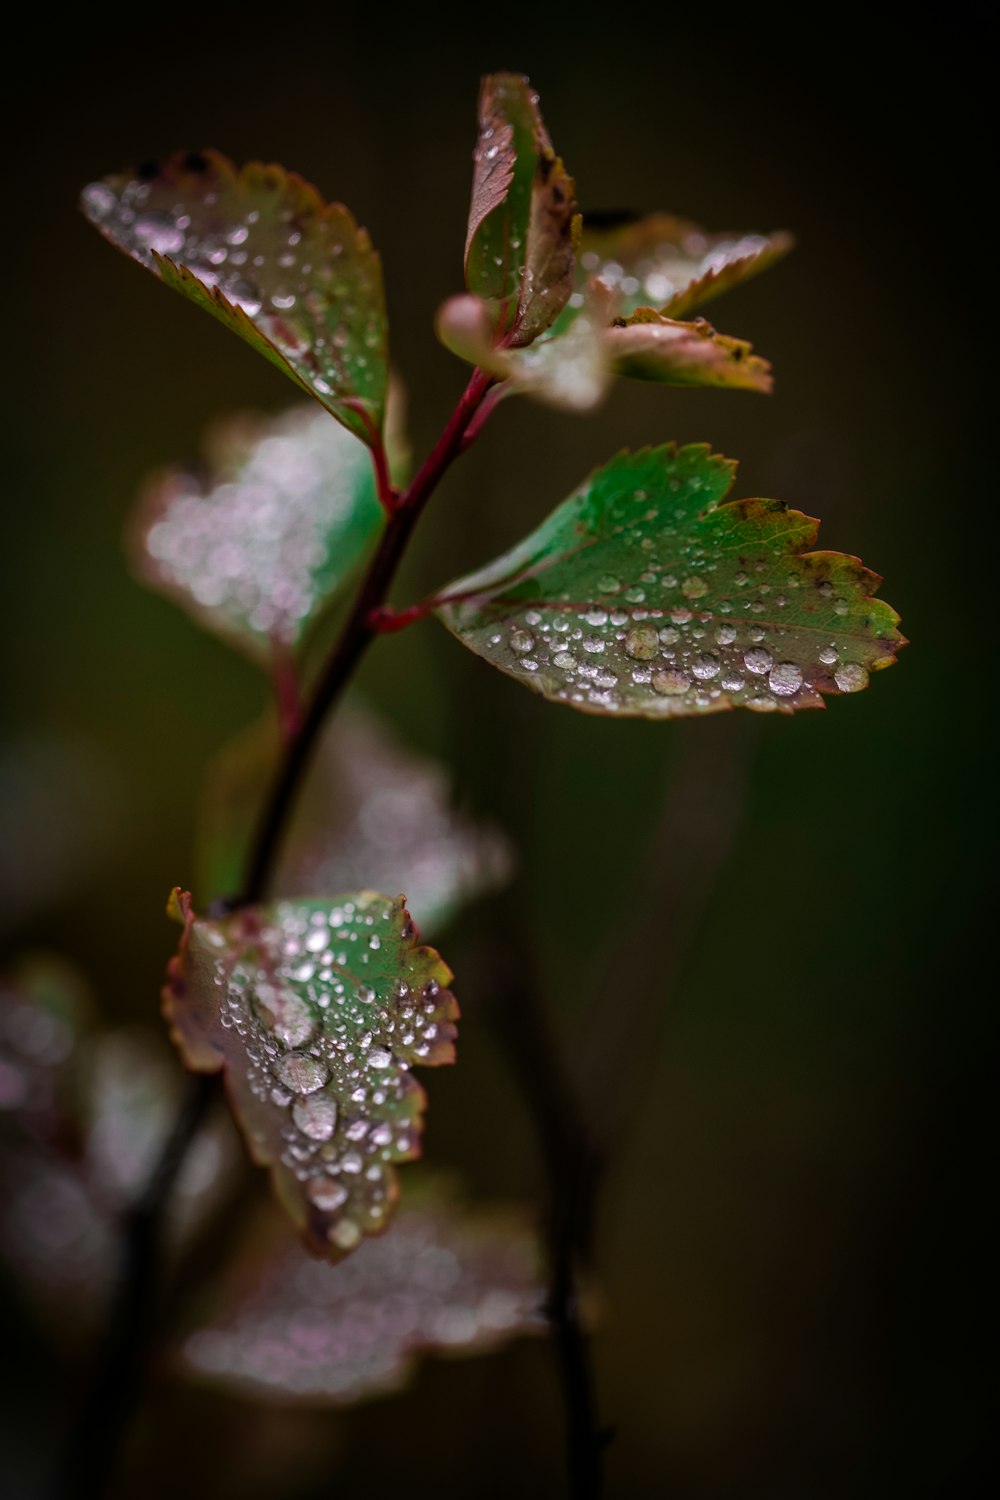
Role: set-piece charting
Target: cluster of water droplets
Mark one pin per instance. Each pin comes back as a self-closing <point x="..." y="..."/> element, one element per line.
<point x="340" y="1333"/>
<point x="265" y="542"/>
<point x="304" y="281"/>
<point x="321" y="1020"/>
<point x="661" y="271"/>
<point x="677" y="627"/>
<point x="376" y="813"/>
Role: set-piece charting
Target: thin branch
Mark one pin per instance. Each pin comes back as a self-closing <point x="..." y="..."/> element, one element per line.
<point x="90" y="1456"/>
<point x="89" y="1459"/>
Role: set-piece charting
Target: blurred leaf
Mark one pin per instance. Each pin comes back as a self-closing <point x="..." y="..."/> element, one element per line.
<point x="669" y="264"/>
<point x="372" y="814"/>
<point x="83" y="1115"/>
<point x="649" y="346"/>
<point x="255" y="547"/>
<point x="317" y="1010"/>
<point x="644" y="595"/>
<point x="520" y="245"/>
<point x="573" y="367"/>
<point x="261" y="251"/>
<point x="445" y="1280"/>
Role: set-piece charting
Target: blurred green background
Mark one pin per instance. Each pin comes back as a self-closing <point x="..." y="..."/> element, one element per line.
<point x="790" y="1250"/>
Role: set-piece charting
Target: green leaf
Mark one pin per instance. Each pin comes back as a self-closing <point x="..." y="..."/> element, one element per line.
<point x="372" y="813"/>
<point x="669" y="264"/>
<point x="316" y="1011"/>
<point x="521" y="240"/>
<point x="446" y="1280"/>
<point x="648" y="346"/>
<point x="644" y="595"/>
<point x="255" y="546"/>
<point x="261" y="251"/>
<point x="573" y="368"/>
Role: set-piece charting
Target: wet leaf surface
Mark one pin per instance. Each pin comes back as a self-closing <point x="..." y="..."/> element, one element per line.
<point x="317" y="1010"/>
<point x="373" y="814"/>
<point x="271" y="530"/>
<point x="260" y="250"/>
<point x="651" y="347"/>
<point x="520" y="244"/>
<point x="644" y="594"/>
<point x="670" y="265"/>
<point x="446" y="1279"/>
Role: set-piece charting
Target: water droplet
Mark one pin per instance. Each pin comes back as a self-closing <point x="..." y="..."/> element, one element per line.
<point x="301" y="1073"/>
<point x="725" y="635"/>
<point x="593" y="644"/>
<point x="326" y="1194"/>
<point x="706" y="667"/>
<point x="520" y="641"/>
<point x="785" y="679"/>
<point x="671" y="682"/>
<point x="285" y="1013"/>
<point x="316" y="1116"/>
<point x="379" y="1058"/>
<point x="596" y="617"/>
<point x="828" y="655"/>
<point x="98" y="200"/>
<point x="758" y="661"/>
<point x="851" y="677"/>
<point x="159" y="232"/>
<point x="344" y="1235"/>
<point x="694" y="588"/>
<point x="366" y="993"/>
<point x="608" y="584"/>
<point x="642" y="643"/>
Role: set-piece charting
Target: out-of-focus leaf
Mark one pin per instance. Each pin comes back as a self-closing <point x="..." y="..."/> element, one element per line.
<point x="669" y="264"/>
<point x="256" y="547"/>
<point x="445" y="1280"/>
<point x="372" y="813"/>
<point x="649" y="346"/>
<point x="317" y="1010"/>
<point x="83" y="1115"/>
<point x="260" y="250"/>
<point x="573" y="366"/>
<point x="520" y="245"/>
<point x="644" y="595"/>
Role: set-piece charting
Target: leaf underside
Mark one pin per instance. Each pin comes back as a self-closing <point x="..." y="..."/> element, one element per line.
<point x="259" y="249"/>
<point x="521" y="238"/>
<point x="671" y="265"/>
<point x="316" y="1011"/>
<point x="446" y="1280"/>
<point x="255" y="547"/>
<point x="371" y="810"/>
<point x="645" y="595"/>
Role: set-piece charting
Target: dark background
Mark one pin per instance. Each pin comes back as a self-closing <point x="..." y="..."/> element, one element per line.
<point x="792" y="1255"/>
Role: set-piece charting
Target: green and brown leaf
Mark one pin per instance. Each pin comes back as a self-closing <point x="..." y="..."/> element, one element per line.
<point x="521" y="238"/>
<point x="648" y="594"/>
<point x="260" y="250"/>
<point x="316" y="1011"/>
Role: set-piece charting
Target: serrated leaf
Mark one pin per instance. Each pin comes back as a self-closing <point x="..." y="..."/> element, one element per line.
<point x="644" y="594"/>
<point x="446" y="1280"/>
<point x="648" y="346"/>
<point x="670" y="264"/>
<point x="260" y="250"/>
<point x="520" y="243"/>
<point x="573" y="368"/>
<point x="255" y="546"/>
<point x="372" y="812"/>
<point x="316" y="1011"/>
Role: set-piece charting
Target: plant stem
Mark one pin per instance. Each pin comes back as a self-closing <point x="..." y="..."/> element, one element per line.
<point x="90" y="1455"/>
<point x="358" y="633"/>
<point x="89" y="1458"/>
<point x="573" y="1170"/>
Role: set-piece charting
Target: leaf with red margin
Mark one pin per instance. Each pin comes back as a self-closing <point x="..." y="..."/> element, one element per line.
<point x="520" y="247"/>
<point x="447" y="1280"/>
<point x="645" y="595"/>
<point x="260" y="250"/>
<point x="316" y="1011"/>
